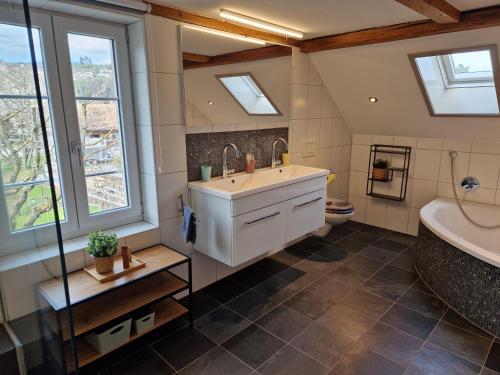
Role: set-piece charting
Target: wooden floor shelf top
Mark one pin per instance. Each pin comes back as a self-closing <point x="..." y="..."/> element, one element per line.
<point x="166" y="311"/>
<point x="82" y="286"/>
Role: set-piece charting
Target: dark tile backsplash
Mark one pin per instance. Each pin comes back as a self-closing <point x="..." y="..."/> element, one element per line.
<point x="206" y="148"/>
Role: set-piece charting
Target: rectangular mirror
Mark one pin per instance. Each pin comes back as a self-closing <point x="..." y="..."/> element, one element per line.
<point x="234" y="84"/>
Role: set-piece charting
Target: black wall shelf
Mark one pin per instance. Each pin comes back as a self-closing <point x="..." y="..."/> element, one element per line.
<point x="378" y="151"/>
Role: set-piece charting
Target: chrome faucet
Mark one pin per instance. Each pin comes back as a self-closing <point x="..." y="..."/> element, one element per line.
<point x="225" y="171"/>
<point x="275" y="162"/>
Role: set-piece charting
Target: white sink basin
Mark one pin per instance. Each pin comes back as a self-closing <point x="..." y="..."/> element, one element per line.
<point x="243" y="184"/>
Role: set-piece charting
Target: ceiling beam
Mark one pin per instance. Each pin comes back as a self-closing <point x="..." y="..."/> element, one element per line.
<point x="212" y="23"/>
<point x="469" y="20"/>
<point x="439" y="11"/>
<point x="194" y="57"/>
<point x="255" y="54"/>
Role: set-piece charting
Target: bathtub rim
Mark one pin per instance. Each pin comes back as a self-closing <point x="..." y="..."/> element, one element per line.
<point x="428" y="218"/>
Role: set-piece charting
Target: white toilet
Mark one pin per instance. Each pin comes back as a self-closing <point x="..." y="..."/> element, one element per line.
<point x="337" y="212"/>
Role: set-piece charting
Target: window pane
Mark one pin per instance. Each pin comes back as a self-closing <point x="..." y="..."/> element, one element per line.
<point x="460" y="83"/>
<point x="102" y="155"/>
<point x="93" y="71"/>
<point x="92" y="65"/>
<point x="247" y="92"/>
<point x="472" y="62"/>
<point x="22" y="156"/>
<point x="15" y="60"/>
<point x="32" y="204"/>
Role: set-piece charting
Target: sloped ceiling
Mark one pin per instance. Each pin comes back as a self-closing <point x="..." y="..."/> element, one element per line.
<point x="384" y="71"/>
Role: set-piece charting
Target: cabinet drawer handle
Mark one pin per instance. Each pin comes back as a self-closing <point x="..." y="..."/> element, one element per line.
<point x="305" y="204"/>
<point x="263" y="218"/>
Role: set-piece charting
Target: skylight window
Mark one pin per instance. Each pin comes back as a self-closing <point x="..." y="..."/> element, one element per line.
<point x="244" y="88"/>
<point x="459" y="82"/>
<point x="468" y="68"/>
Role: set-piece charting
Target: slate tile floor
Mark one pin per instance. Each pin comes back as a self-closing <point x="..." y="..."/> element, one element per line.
<point x="348" y="303"/>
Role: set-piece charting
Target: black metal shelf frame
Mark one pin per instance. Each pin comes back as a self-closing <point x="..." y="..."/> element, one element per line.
<point x="59" y="337"/>
<point x="377" y="149"/>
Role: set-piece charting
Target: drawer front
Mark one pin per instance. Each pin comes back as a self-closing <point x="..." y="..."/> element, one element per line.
<point x="259" y="200"/>
<point x="305" y="214"/>
<point x="305" y="187"/>
<point x="258" y="232"/>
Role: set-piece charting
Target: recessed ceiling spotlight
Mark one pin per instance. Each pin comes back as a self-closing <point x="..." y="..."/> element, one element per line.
<point x="223" y="33"/>
<point x="210" y="102"/>
<point x="373" y="99"/>
<point x="259" y="24"/>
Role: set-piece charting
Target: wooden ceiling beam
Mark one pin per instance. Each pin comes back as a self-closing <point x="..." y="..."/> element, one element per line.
<point x="439" y="11"/>
<point x="194" y="57"/>
<point x="212" y="23"/>
<point x="469" y="20"/>
<point x="255" y="54"/>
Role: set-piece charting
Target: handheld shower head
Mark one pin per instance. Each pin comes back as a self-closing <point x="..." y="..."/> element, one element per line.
<point x="453" y="154"/>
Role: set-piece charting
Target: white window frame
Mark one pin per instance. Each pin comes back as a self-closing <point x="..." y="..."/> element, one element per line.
<point x="120" y="216"/>
<point x="492" y="48"/>
<point x="33" y="237"/>
<point x="63" y="114"/>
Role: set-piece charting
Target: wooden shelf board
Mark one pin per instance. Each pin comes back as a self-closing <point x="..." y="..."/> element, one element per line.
<point x="82" y="286"/>
<point x="165" y="311"/>
<point x="390" y="152"/>
<point x="397" y="169"/>
<point x="91" y="314"/>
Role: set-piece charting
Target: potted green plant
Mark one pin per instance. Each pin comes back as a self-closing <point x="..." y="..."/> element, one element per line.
<point x="380" y="172"/>
<point x="103" y="246"/>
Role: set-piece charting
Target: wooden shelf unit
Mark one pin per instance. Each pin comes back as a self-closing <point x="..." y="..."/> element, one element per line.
<point x="95" y="304"/>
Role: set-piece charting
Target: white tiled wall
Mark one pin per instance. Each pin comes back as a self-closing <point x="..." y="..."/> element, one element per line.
<point x="197" y="122"/>
<point x="319" y="136"/>
<point x="429" y="178"/>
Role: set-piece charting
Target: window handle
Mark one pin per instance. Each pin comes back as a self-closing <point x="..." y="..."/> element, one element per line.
<point x="77" y="149"/>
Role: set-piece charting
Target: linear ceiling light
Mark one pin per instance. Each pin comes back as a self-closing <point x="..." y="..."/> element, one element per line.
<point x="259" y="24"/>
<point x="227" y="35"/>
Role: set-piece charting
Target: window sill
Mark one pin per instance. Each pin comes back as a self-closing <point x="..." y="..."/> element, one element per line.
<point x="9" y="262"/>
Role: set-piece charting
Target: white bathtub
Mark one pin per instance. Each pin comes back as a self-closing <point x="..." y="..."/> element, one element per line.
<point x="443" y="217"/>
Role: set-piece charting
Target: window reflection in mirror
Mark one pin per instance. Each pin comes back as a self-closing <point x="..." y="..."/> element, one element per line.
<point x="234" y="84"/>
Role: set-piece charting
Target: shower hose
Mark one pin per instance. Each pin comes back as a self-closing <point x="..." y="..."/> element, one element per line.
<point x="452" y="157"/>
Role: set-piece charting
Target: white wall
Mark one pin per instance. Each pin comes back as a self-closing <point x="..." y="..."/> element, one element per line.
<point x="384" y="71"/>
<point x="429" y="178"/>
<point x="319" y="135"/>
<point x="197" y="122"/>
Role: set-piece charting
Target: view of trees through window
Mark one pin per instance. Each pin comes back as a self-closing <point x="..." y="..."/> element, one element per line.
<point x="22" y="157"/>
<point x="99" y="120"/>
<point x="23" y="167"/>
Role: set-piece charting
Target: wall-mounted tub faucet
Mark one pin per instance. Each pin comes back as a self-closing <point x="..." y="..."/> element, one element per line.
<point x="470" y="183"/>
<point x="275" y="162"/>
<point x="225" y="171"/>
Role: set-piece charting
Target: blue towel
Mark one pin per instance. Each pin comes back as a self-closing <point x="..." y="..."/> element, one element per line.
<point x="189" y="225"/>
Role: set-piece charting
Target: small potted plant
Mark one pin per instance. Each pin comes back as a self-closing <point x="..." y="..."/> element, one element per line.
<point x="103" y="246"/>
<point x="380" y="172"/>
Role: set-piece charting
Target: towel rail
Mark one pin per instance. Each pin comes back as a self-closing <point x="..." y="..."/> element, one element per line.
<point x="181" y="199"/>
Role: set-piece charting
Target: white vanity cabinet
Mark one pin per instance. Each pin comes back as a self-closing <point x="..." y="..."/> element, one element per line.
<point x="235" y="229"/>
